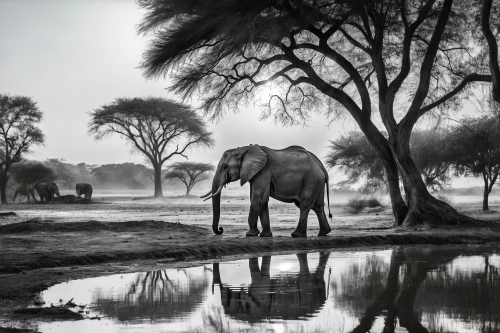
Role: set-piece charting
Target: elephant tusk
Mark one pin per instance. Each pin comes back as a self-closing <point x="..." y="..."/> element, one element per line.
<point x="206" y="195"/>
<point x="213" y="195"/>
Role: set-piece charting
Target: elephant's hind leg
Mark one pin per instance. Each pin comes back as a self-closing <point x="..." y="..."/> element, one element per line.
<point x="264" y="221"/>
<point x="324" y="227"/>
<point x="301" y="230"/>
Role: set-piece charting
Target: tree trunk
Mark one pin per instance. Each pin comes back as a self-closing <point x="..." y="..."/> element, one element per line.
<point x="189" y="187"/>
<point x="423" y="207"/>
<point x="381" y="146"/>
<point x="399" y="207"/>
<point x="492" y="48"/>
<point x="3" y="193"/>
<point x="3" y="188"/>
<point x="486" y="194"/>
<point x="158" y="183"/>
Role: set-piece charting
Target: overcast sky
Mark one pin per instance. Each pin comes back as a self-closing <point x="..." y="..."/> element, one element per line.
<point x="74" y="56"/>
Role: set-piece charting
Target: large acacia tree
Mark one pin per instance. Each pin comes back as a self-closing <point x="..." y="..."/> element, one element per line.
<point x="19" y="117"/>
<point x="156" y="127"/>
<point x="387" y="63"/>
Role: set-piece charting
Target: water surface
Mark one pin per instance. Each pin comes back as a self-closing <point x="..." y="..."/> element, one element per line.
<point x="422" y="289"/>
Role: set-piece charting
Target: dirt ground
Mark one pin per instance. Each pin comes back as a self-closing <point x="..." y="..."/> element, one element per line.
<point x="44" y="244"/>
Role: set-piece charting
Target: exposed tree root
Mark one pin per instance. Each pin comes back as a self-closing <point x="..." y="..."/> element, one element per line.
<point x="435" y="213"/>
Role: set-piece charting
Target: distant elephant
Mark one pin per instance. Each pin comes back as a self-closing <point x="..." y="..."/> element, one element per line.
<point x="85" y="189"/>
<point x="288" y="296"/>
<point x="289" y="175"/>
<point x="23" y="190"/>
<point x="46" y="191"/>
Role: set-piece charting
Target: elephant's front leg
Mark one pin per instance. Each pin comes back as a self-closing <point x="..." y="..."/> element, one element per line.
<point x="259" y="197"/>
<point x="264" y="221"/>
<point x="253" y="216"/>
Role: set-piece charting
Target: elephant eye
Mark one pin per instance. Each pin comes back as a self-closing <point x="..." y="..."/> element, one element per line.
<point x="224" y="165"/>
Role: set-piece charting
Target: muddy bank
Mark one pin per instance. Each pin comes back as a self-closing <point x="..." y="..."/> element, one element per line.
<point x="34" y="244"/>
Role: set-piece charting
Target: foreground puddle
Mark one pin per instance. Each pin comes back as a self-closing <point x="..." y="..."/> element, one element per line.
<point x="441" y="289"/>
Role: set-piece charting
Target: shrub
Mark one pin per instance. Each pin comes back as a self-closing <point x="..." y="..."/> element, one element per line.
<point x="356" y="205"/>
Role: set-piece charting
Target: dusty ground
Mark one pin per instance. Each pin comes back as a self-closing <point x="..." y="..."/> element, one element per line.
<point x="45" y="244"/>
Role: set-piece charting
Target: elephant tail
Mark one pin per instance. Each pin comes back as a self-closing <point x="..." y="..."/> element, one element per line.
<point x="328" y="195"/>
<point x="326" y="183"/>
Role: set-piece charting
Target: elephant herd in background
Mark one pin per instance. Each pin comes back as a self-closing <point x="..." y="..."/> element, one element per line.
<point x="47" y="191"/>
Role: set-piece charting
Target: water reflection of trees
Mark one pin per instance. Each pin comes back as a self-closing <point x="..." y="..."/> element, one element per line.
<point x="155" y="295"/>
<point x="285" y="296"/>
<point x="418" y="290"/>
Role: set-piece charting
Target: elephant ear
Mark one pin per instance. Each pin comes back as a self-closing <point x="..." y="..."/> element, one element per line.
<point x="253" y="160"/>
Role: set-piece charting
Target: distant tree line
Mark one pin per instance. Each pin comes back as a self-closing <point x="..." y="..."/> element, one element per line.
<point x="471" y="149"/>
<point x="124" y="176"/>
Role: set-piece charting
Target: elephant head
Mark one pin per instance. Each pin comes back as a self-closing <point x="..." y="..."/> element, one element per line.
<point x="54" y="189"/>
<point x="242" y="164"/>
<point x="79" y="189"/>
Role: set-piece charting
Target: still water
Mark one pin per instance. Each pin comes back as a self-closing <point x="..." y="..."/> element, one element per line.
<point x="445" y="289"/>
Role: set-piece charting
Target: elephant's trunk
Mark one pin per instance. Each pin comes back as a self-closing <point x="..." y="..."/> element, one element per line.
<point x="216" y="276"/>
<point x="216" y="207"/>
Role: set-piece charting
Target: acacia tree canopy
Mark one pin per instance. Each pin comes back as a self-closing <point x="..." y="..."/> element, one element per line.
<point x="189" y="173"/>
<point x="393" y="60"/>
<point x="153" y="125"/>
<point x="19" y="117"/>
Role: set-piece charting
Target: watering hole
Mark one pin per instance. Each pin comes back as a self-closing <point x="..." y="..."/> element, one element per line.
<point x="446" y="289"/>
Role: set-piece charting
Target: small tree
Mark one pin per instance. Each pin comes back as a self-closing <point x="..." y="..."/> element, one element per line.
<point x="190" y="173"/>
<point x="354" y="155"/>
<point x="474" y="148"/>
<point x="151" y="125"/>
<point x="19" y="117"/>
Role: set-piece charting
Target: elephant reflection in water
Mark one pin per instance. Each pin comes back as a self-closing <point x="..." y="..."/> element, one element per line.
<point x="286" y="296"/>
<point x="409" y="287"/>
<point x="154" y="295"/>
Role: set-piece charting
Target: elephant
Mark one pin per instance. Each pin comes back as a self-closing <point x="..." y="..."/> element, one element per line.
<point x="85" y="189"/>
<point x="23" y="190"/>
<point x="292" y="174"/>
<point x="46" y="191"/>
<point x="288" y="296"/>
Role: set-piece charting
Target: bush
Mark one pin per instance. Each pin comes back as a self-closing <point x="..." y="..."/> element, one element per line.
<point x="356" y="205"/>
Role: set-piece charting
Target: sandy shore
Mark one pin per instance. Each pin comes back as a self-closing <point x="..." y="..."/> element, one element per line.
<point x="44" y="244"/>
